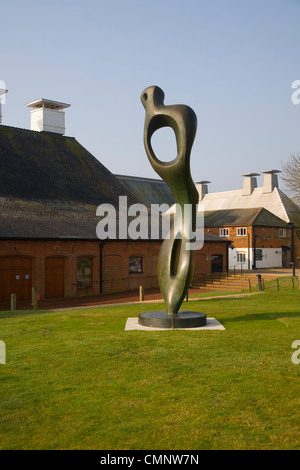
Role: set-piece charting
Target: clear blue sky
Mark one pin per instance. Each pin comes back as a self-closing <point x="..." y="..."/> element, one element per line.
<point x="232" y="61"/>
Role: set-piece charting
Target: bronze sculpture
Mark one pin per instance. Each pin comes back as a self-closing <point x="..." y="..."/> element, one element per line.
<point x="175" y="261"/>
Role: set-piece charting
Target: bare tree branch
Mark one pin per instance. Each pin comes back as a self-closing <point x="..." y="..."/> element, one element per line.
<point x="291" y="177"/>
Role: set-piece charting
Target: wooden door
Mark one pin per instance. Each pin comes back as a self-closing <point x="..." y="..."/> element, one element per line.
<point x="54" y="277"/>
<point x="15" y="277"/>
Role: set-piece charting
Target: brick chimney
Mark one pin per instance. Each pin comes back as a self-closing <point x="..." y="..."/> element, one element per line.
<point x="250" y="183"/>
<point x="270" y="180"/>
<point x="47" y="115"/>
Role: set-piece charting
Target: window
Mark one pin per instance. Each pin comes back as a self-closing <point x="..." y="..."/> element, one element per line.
<point x="135" y="264"/>
<point x="241" y="232"/>
<point x="282" y="232"/>
<point x="224" y="232"/>
<point x="84" y="272"/>
<point x="241" y="257"/>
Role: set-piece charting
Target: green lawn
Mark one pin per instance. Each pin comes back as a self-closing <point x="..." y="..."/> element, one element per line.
<point x="77" y="380"/>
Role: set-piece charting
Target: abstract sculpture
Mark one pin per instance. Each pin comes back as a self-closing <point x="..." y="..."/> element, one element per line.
<point x="176" y="260"/>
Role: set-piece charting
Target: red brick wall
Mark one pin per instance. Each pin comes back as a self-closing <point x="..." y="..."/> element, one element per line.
<point x="203" y="257"/>
<point x="265" y="237"/>
<point x="115" y="262"/>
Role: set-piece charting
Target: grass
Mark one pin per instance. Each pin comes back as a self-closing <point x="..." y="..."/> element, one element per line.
<point x="77" y="380"/>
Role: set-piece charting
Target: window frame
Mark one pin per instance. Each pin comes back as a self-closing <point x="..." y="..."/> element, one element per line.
<point x="241" y="254"/>
<point x="140" y="269"/>
<point x="242" y="230"/>
<point x="87" y="281"/>
<point x="224" y="232"/>
<point x="282" y="233"/>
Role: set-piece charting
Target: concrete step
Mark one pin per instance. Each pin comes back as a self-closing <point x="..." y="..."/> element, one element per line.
<point x="238" y="282"/>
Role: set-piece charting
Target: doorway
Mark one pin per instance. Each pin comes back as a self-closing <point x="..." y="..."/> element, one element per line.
<point x="15" y="277"/>
<point x="54" y="277"/>
<point x="217" y="263"/>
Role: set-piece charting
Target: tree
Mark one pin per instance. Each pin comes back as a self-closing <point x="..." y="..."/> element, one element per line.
<point x="291" y="177"/>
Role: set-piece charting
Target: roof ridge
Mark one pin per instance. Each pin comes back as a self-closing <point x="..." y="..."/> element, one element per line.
<point x="36" y="132"/>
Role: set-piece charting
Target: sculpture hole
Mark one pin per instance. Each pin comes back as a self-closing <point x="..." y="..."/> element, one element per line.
<point x="176" y="249"/>
<point x="163" y="143"/>
<point x="145" y="96"/>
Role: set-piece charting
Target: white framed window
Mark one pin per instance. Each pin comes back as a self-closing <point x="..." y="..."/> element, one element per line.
<point x="241" y="257"/>
<point x="241" y="231"/>
<point x="282" y="232"/>
<point x="224" y="232"/>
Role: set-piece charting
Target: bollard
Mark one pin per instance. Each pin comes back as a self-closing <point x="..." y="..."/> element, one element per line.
<point x="141" y="293"/>
<point x="259" y="281"/>
<point x="34" y="296"/>
<point x="13" y="302"/>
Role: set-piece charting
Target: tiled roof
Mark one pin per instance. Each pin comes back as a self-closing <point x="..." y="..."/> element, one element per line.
<point x="42" y="166"/>
<point x="151" y="191"/>
<point x="242" y="217"/>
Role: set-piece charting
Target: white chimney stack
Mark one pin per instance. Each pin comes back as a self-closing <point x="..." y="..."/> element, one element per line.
<point x="202" y="188"/>
<point x="250" y="183"/>
<point x="270" y="180"/>
<point x="47" y="115"/>
<point x="2" y="92"/>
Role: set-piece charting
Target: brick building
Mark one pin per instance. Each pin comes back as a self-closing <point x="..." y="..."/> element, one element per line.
<point x="262" y="223"/>
<point x="259" y="239"/>
<point x="50" y="188"/>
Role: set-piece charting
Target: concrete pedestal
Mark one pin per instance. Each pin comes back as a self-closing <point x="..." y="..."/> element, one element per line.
<point x="160" y="319"/>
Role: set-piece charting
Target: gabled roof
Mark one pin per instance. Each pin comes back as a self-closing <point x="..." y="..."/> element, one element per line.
<point x="43" y="166"/>
<point x="151" y="191"/>
<point x="242" y="217"/>
<point x="275" y="202"/>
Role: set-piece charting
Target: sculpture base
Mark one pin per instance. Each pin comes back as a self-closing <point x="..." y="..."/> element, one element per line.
<point x="160" y="319"/>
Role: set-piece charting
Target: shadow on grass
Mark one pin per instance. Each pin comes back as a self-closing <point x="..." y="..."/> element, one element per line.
<point x="261" y="316"/>
<point x="23" y="313"/>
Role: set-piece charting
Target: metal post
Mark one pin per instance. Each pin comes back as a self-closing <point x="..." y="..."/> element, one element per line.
<point x="293" y="268"/>
<point x="34" y="298"/>
<point x="259" y="281"/>
<point x="13" y="302"/>
<point x="141" y="293"/>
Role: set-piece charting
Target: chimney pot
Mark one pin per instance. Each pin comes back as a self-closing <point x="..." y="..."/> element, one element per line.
<point x="270" y="180"/>
<point x="47" y="115"/>
<point x="202" y="188"/>
<point x="250" y="183"/>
